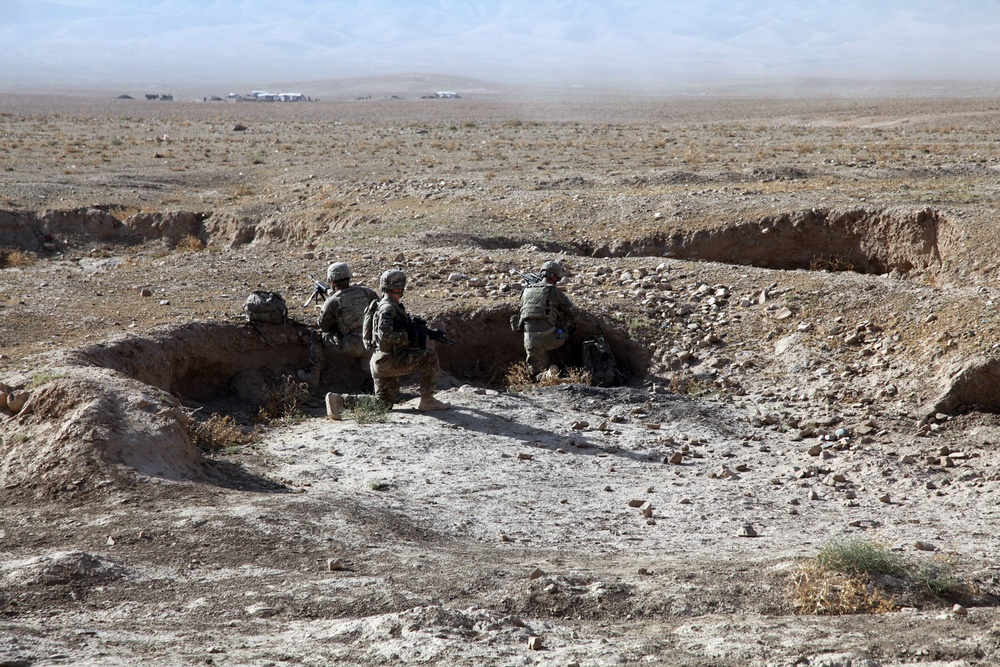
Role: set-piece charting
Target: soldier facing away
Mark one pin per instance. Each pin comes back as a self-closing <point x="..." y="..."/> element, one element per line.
<point x="340" y="322"/>
<point x="397" y="352"/>
<point x="547" y="318"/>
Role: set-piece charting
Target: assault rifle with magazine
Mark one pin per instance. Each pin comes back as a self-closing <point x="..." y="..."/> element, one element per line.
<point x="321" y="291"/>
<point x="529" y="278"/>
<point x="424" y="332"/>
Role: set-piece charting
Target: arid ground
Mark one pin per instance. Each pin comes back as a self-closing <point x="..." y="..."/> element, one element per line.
<point x="803" y="292"/>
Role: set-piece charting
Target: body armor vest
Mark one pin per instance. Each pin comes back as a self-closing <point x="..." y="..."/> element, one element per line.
<point x="535" y="303"/>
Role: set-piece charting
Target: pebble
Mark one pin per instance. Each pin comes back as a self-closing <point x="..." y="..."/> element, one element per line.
<point x="747" y="531"/>
<point x="535" y="574"/>
<point x="535" y="643"/>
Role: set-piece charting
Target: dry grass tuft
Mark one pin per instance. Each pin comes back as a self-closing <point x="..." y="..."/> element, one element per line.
<point x="832" y="264"/>
<point x="190" y="243"/>
<point x="282" y="400"/>
<point x="15" y="259"/>
<point x="520" y="378"/>
<point x="369" y="410"/>
<point x="219" y="433"/>
<point x="851" y="576"/>
<point x="817" y="590"/>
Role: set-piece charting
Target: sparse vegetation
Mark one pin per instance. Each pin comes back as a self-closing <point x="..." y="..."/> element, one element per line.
<point x="849" y="577"/>
<point x="42" y="379"/>
<point x="282" y="400"/>
<point x="831" y="264"/>
<point x="189" y="243"/>
<point x="368" y="409"/>
<point x="16" y="259"/>
<point x="519" y="377"/>
<point x="220" y="433"/>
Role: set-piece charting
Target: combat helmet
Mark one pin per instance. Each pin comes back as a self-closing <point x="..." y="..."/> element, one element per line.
<point x="392" y="279"/>
<point x="338" y="271"/>
<point x="552" y="269"/>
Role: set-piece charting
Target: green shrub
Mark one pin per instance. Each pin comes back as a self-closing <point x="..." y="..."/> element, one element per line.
<point x="858" y="555"/>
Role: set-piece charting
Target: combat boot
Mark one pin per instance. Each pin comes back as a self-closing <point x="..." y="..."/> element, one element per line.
<point x="311" y="376"/>
<point x="334" y="405"/>
<point x="429" y="403"/>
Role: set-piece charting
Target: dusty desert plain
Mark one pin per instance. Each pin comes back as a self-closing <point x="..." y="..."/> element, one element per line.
<point x="800" y="470"/>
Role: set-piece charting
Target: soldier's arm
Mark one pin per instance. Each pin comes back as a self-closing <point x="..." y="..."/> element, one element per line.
<point x="385" y="332"/>
<point x="568" y="309"/>
<point x="328" y="316"/>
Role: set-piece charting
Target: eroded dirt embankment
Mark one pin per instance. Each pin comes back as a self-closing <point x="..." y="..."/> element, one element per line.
<point x="122" y="406"/>
<point x="911" y="243"/>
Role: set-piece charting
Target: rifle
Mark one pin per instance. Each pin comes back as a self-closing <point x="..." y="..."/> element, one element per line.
<point x="424" y="332"/>
<point x="529" y="278"/>
<point x="319" y="293"/>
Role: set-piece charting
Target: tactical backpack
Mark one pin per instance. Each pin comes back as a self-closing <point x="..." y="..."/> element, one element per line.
<point x="268" y="307"/>
<point x="600" y="361"/>
<point x="368" y="325"/>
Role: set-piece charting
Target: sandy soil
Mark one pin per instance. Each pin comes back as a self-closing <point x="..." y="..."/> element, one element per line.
<point x="803" y="292"/>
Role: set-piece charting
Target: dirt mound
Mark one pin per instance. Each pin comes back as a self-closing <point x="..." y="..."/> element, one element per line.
<point x="99" y="416"/>
<point x="88" y="428"/>
<point x="61" y="567"/>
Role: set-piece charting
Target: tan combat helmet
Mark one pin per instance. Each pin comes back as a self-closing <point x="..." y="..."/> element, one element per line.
<point x="392" y="279"/>
<point x="552" y="269"/>
<point x="338" y="271"/>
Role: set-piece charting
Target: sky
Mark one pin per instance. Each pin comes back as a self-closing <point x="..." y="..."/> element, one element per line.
<point x="629" y="43"/>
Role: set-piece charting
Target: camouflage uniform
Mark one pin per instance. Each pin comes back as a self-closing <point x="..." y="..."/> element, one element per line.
<point x="547" y="317"/>
<point x="340" y="322"/>
<point x="397" y="353"/>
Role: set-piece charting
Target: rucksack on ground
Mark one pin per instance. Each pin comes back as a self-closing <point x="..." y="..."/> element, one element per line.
<point x="600" y="361"/>
<point x="267" y="307"/>
<point x="368" y="325"/>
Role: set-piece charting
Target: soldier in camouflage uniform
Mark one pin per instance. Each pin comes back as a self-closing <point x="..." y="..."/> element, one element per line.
<point x="397" y="352"/>
<point x="547" y="317"/>
<point x="339" y="323"/>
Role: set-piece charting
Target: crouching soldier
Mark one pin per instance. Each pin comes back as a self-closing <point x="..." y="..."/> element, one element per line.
<point x="397" y="352"/>
<point x="340" y="323"/>
<point x="547" y="318"/>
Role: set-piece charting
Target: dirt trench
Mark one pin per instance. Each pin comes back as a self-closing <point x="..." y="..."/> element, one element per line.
<point x="912" y="244"/>
<point x="120" y="409"/>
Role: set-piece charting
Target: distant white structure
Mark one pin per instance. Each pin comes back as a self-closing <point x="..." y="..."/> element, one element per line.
<point x="447" y="94"/>
<point x="264" y="96"/>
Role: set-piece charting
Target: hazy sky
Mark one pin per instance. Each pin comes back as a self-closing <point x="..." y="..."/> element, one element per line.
<point x="575" y="42"/>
